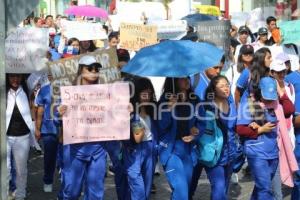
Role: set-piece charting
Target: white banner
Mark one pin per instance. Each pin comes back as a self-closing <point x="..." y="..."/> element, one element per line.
<point x="83" y="30"/>
<point x="26" y="50"/>
<point x="167" y="29"/>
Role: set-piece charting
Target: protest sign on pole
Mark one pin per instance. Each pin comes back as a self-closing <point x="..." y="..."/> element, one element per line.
<point x="83" y="30"/>
<point x="96" y="113"/>
<point x="136" y="36"/>
<point x="167" y="29"/>
<point x="290" y="32"/>
<point x="64" y="71"/>
<point x="216" y="32"/>
<point x="26" y="50"/>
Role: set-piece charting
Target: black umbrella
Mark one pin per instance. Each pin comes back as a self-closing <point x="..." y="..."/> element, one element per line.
<point x="193" y="19"/>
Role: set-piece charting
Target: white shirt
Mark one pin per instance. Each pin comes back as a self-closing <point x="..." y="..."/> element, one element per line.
<point x="147" y="124"/>
<point x="18" y="97"/>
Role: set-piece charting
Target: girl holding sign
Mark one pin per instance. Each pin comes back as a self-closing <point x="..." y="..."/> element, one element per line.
<point x="139" y="153"/>
<point x="84" y="163"/>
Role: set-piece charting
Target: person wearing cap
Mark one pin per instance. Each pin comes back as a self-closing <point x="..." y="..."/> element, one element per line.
<point x="284" y="58"/>
<point x="294" y="79"/>
<point x="262" y="39"/>
<point x="83" y="163"/>
<point x="199" y="83"/>
<point x="278" y="71"/>
<point x="257" y="126"/>
<point x="243" y="38"/>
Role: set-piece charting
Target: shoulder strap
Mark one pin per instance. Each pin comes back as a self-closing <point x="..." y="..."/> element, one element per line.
<point x="196" y="81"/>
<point x="296" y="49"/>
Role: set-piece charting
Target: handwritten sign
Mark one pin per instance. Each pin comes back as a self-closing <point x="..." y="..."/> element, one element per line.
<point x="136" y="36"/>
<point x="208" y="10"/>
<point x="26" y="50"/>
<point x="216" y="32"/>
<point x="83" y="30"/>
<point x="64" y="71"/>
<point x="96" y="113"/>
<point x="167" y="29"/>
<point x="290" y="31"/>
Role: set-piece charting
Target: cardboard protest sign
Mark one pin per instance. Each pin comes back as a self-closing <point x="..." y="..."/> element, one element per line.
<point x="26" y="50"/>
<point x="96" y="113"/>
<point x="216" y="32"/>
<point x="167" y="29"/>
<point x="83" y="30"/>
<point x="290" y="31"/>
<point x="64" y="71"/>
<point x="136" y="36"/>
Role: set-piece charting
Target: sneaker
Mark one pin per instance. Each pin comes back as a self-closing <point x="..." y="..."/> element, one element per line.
<point x="12" y="195"/>
<point x="153" y="189"/>
<point x="111" y="170"/>
<point x="48" y="188"/>
<point x="235" y="178"/>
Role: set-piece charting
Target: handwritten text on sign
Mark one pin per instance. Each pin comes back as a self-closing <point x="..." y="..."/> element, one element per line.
<point x="26" y="50"/>
<point x="136" y="36"/>
<point x="64" y="71"/>
<point x="96" y="112"/>
<point x="216" y="32"/>
<point x="290" y="31"/>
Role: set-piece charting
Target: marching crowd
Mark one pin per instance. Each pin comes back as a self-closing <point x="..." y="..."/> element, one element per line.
<point x="242" y="111"/>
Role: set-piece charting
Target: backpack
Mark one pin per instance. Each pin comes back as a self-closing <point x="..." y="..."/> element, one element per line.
<point x="210" y="143"/>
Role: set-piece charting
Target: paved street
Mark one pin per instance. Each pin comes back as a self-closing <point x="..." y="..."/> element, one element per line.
<point x="241" y="191"/>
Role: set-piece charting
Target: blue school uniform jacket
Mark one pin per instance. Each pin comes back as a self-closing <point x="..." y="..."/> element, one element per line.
<point x="168" y="131"/>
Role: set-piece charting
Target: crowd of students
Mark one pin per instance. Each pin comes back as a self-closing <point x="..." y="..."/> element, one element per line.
<point x="254" y="96"/>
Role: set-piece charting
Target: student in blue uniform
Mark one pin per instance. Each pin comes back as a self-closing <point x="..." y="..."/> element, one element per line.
<point x="199" y="83"/>
<point x="47" y="131"/>
<point x="257" y="125"/>
<point x="176" y="152"/>
<point x="218" y="101"/>
<point x="260" y="68"/>
<point x="84" y="163"/>
<point x="139" y="153"/>
<point x="294" y="79"/>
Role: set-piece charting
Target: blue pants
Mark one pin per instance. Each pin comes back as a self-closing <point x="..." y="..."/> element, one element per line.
<point x="276" y="185"/>
<point x="179" y="170"/>
<point x="12" y="182"/>
<point x="113" y="149"/>
<point x="296" y="189"/>
<point x="77" y="172"/>
<point x="139" y="164"/>
<point x="262" y="172"/>
<point x="219" y="178"/>
<point x="195" y="178"/>
<point x="50" y="142"/>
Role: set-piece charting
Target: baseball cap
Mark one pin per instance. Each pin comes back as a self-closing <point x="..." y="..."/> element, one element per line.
<point x="244" y="29"/>
<point x="247" y="49"/>
<point x="283" y="57"/>
<point x="268" y="88"/>
<point x="89" y="60"/>
<point x="277" y="65"/>
<point x="262" y="31"/>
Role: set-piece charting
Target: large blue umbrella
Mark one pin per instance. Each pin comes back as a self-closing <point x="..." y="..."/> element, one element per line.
<point x="193" y="19"/>
<point x="177" y="58"/>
